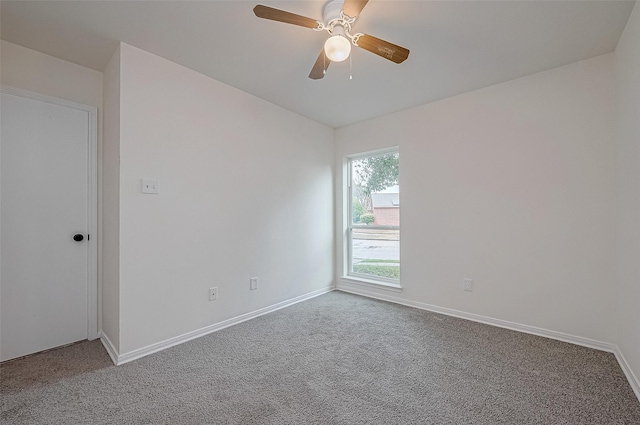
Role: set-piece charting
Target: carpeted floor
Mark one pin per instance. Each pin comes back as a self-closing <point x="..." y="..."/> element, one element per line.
<point x="335" y="359"/>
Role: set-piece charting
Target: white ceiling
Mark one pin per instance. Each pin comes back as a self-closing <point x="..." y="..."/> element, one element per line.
<point x="456" y="46"/>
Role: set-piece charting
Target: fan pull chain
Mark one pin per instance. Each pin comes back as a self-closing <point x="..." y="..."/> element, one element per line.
<point x="350" y="66"/>
<point x="324" y="63"/>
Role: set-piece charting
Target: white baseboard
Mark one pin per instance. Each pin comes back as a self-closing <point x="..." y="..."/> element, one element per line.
<point x="108" y="345"/>
<point x="626" y="368"/>
<point x="586" y="342"/>
<point x="560" y="336"/>
<point x="119" y="359"/>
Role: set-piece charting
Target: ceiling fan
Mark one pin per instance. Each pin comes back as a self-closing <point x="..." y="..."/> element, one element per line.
<point x="339" y="16"/>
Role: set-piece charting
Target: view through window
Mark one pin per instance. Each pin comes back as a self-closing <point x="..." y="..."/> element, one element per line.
<point x="374" y="211"/>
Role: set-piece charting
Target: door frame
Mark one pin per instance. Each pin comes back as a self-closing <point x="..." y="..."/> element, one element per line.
<point x="92" y="192"/>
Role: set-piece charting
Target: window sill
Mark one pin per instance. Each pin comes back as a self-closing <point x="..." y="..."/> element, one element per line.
<point x="395" y="287"/>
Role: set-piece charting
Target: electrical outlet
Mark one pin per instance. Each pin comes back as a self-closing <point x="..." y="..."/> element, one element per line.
<point x="213" y="294"/>
<point x="253" y="283"/>
<point x="467" y="285"/>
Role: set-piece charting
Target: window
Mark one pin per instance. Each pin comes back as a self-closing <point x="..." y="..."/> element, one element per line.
<point x="373" y="230"/>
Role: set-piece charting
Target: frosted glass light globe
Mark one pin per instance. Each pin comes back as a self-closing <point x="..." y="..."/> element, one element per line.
<point x="337" y="48"/>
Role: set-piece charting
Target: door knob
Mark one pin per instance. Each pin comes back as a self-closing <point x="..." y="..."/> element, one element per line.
<point x="78" y="237"/>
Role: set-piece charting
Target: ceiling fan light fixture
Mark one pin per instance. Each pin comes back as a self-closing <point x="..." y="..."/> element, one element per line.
<point x="338" y="19"/>
<point x="337" y="48"/>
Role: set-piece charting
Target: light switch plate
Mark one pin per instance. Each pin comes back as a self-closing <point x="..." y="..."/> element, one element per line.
<point x="150" y="186"/>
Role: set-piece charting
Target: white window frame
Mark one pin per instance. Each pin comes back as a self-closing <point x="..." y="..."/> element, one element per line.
<point x="349" y="274"/>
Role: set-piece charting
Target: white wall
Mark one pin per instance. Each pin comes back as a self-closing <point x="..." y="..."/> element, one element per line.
<point x="628" y="194"/>
<point x="246" y="189"/>
<point x="111" y="208"/>
<point x="512" y="186"/>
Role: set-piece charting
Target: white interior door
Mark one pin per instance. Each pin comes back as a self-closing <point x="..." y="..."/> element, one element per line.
<point x="46" y="192"/>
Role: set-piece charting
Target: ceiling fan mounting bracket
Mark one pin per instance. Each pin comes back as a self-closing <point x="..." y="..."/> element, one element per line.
<point x="337" y="22"/>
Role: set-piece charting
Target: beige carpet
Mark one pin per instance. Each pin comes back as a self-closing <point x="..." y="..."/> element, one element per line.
<point x="335" y="359"/>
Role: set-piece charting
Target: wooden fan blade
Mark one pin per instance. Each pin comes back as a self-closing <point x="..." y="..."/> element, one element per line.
<point x="267" y="12"/>
<point x="353" y="8"/>
<point x="383" y="48"/>
<point x="319" y="68"/>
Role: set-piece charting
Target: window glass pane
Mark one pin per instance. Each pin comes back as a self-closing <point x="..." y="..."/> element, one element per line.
<point x="375" y="202"/>
<point x="376" y="252"/>
<point x="375" y="179"/>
